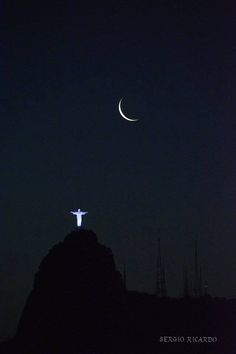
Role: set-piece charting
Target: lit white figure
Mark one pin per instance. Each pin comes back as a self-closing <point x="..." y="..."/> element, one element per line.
<point x="79" y="215"/>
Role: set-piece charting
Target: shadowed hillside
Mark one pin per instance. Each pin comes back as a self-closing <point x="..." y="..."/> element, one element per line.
<point x="76" y="296"/>
<point x="79" y="305"/>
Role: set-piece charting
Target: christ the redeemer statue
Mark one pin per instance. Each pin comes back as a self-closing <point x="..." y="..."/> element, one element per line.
<point x="79" y="215"/>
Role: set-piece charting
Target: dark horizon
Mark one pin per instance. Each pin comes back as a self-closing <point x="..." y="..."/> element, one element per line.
<point x="79" y="302"/>
<point x="178" y="294"/>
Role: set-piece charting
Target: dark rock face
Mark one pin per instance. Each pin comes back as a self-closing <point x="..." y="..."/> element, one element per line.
<point x="78" y="305"/>
<point x="77" y="299"/>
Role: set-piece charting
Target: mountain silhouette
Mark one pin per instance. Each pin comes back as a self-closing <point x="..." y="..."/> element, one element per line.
<point x="77" y="298"/>
<point x="79" y="304"/>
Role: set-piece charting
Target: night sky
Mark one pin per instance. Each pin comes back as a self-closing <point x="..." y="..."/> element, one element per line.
<point x="64" y="145"/>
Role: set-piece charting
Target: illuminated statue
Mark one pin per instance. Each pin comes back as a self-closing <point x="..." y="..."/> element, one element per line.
<point x="79" y="214"/>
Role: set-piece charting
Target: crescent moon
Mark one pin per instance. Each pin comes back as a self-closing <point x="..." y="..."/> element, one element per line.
<point x="123" y="115"/>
